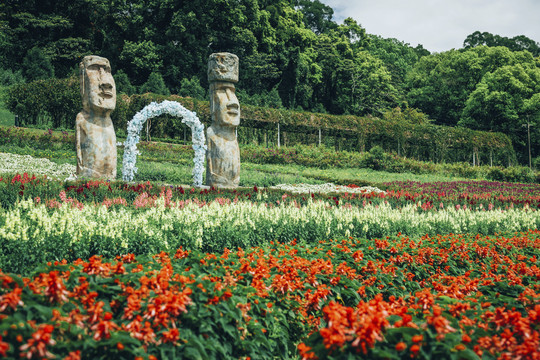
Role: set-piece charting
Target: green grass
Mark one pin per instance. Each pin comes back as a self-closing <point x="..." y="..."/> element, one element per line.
<point x="346" y="176"/>
<point x="6" y="118"/>
<point x="180" y="172"/>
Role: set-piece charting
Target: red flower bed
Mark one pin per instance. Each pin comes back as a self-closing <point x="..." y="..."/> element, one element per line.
<point x="476" y="195"/>
<point x="450" y="296"/>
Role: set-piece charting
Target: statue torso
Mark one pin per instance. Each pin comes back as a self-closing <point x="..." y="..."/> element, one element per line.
<point x="97" y="142"/>
<point x="223" y="158"/>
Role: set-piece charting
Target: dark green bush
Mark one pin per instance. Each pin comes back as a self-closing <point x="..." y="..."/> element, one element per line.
<point x="38" y="102"/>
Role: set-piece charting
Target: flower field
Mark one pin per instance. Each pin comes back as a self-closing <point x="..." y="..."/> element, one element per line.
<point x="96" y="270"/>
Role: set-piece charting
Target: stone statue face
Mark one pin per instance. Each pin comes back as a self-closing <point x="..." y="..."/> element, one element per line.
<point x="224" y="105"/>
<point x="98" y="88"/>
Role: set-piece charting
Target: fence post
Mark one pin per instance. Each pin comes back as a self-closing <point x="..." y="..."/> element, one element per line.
<point x="278" y="137"/>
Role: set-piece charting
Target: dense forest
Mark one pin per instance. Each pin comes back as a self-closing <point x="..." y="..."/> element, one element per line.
<point x="292" y="53"/>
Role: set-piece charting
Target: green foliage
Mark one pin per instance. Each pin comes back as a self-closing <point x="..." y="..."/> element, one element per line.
<point x="504" y="101"/>
<point x="141" y="58"/>
<point x="119" y="116"/>
<point x="441" y="84"/>
<point x="123" y="84"/>
<point x="40" y="140"/>
<point x="36" y="66"/>
<point x="9" y="77"/>
<point x="349" y="79"/>
<point x="55" y="100"/>
<point x="269" y="99"/>
<point x="155" y="84"/>
<point x="398" y="58"/>
<point x="192" y="88"/>
<point x="517" y="43"/>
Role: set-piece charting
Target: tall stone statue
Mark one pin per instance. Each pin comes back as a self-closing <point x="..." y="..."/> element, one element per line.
<point x="223" y="154"/>
<point x="95" y="137"/>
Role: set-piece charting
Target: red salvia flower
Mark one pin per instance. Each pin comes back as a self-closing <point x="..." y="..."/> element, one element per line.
<point x="37" y="344"/>
<point x="11" y="299"/>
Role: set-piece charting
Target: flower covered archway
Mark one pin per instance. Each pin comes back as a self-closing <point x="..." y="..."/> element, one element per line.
<point x="155" y="109"/>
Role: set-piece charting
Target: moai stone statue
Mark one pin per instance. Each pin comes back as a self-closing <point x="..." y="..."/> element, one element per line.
<point x="223" y="154"/>
<point x="95" y="137"/>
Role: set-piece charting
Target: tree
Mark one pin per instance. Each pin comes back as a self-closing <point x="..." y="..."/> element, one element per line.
<point x="440" y="84"/>
<point x="317" y="16"/>
<point x="192" y="88"/>
<point x="505" y="100"/>
<point x="141" y="58"/>
<point x="352" y="80"/>
<point x="61" y="29"/>
<point x="397" y="57"/>
<point x="36" y="66"/>
<point x="155" y="84"/>
<point x="123" y="85"/>
<point x="517" y="43"/>
<point x="5" y="42"/>
<point x="370" y="86"/>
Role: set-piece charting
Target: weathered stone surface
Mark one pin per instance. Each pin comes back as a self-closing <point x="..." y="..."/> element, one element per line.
<point x="95" y="136"/>
<point x="223" y="67"/>
<point x="223" y="154"/>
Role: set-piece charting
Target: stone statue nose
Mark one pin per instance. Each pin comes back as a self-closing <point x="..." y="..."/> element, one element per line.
<point x="233" y="105"/>
<point x="105" y="85"/>
<point x="231" y="96"/>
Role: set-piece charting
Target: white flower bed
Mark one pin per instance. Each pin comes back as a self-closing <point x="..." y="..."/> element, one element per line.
<point x="14" y="163"/>
<point x="244" y="222"/>
<point x="324" y="188"/>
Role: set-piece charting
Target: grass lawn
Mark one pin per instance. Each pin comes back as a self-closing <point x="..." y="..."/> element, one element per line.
<point x="179" y="172"/>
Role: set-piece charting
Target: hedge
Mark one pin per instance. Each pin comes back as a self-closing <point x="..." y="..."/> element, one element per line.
<point x="59" y="100"/>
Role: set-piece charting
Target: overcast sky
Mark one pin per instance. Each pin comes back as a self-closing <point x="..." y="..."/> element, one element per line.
<point x="441" y="25"/>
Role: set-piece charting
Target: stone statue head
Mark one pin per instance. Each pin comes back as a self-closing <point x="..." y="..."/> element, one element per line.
<point x="98" y="90"/>
<point x="224" y="105"/>
<point x="222" y="75"/>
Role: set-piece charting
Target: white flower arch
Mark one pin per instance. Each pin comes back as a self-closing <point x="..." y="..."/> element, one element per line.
<point x="154" y="109"/>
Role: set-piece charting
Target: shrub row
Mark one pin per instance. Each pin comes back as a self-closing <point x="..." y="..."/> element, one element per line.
<point x="376" y="159"/>
<point x="60" y="100"/>
<point x="311" y="156"/>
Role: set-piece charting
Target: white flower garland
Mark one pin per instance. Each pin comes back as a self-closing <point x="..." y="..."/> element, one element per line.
<point x="152" y="110"/>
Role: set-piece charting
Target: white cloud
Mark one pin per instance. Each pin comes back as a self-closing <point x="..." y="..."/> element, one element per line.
<point x="441" y="25"/>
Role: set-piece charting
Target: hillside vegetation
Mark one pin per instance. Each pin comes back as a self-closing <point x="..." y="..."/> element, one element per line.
<point x="293" y="54"/>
